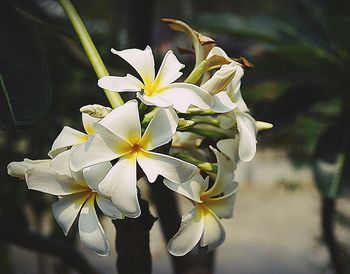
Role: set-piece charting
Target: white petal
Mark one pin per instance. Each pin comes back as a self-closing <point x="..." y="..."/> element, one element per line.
<point x="61" y="163"/>
<point x="227" y="120"/>
<point x="18" y="169"/>
<point x="183" y="95"/>
<point x="88" y="123"/>
<point x="213" y="232"/>
<point x="229" y="147"/>
<point x="191" y="189"/>
<point x="124" y="122"/>
<point x="222" y="103"/>
<point x="247" y="136"/>
<point x="169" y="70"/>
<point x="100" y="148"/>
<point x="153" y="100"/>
<point x="160" y="130"/>
<point x="217" y="51"/>
<point x="225" y="175"/>
<point x="48" y="181"/>
<point x="67" y="208"/>
<point x="93" y="175"/>
<point x="189" y="234"/>
<point x="67" y="138"/>
<point x="173" y="169"/>
<point x="221" y="78"/>
<point x="223" y="206"/>
<point x="141" y="60"/>
<point x="120" y="185"/>
<point x="108" y="208"/>
<point x="120" y="84"/>
<point x="90" y="230"/>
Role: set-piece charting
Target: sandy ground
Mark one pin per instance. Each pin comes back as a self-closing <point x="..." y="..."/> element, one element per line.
<point x="275" y="229"/>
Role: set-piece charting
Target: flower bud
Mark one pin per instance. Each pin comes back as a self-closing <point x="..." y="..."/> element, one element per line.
<point x="96" y="111"/>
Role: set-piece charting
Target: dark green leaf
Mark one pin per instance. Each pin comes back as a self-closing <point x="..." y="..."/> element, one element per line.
<point x="24" y="79"/>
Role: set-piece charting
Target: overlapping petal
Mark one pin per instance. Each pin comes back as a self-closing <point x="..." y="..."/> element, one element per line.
<point x="120" y="185"/>
<point x="160" y="130"/>
<point x="48" y="181"/>
<point x="189" y="234"/>
<point x="173" y="169"/>
<point x="88" y="123"/>
<point x="229" y="147"/>
<point x="222" y="103"/>
<point x="223" y="206"/>
<point x="213" y="232"/>
<point x="67" y="138"/>
<point x="191" y="189"/>
<point x="67" y="208"/>
<point x="90" y="230"/>
<point x="108" y="208"/>
<point x="93" y="175"/>
<point x="183" y="95"/>
<point x="120" y="84"/>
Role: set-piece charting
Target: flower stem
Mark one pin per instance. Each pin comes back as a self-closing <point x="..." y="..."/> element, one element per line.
<point x="197" y="73"/>
<point x="90" y="49"/>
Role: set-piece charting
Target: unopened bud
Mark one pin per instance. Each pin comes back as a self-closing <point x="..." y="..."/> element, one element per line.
<point x="96" y="111"/>
<point x="260" y="125"/>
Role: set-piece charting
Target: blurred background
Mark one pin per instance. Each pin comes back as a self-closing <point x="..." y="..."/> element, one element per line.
<point x="292" y="212"/>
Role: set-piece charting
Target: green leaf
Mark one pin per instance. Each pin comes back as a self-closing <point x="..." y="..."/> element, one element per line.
<point x="24" y="78"/>
<point x="332" y="162"/>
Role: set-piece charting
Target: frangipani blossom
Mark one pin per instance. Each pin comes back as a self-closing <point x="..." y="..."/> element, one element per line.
<point x="157" y="90"/>
<point x="77" y="194"/>
<point x="118" y="135"/>
<point x="70" y="137"/>
<point x="202" y="224"/>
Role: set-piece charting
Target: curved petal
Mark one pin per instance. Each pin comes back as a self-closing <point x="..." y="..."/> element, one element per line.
<point x="120" y="185"/>
<point x="141" y="60"/>
<point x="18" y="169"/>
<point x="173" y="169"/>
<point x="169" y="70"/>
<point x="213" y="232"/>
<point x="124" y="122"/>
<point x="160" y="130"/>
<point x="189" y="234"/>
<point x="93" y="175"/>
<point x="222" y="103"/>
<point x="90" y="230"/>
<point x="108" y="208"/>
<point x="88" y="123"/>
<point x="48" y="181"/>
<point x="227" y="120"/>
<point x="183" y="95"/>
<point x="223" y="206"/>
<point x="247" y="136"/>
<point x="120" y="84"/>
<point x="100" y="148"/>
<point x="153" y="100"/>
<point x="67" y="208"/>
<point x="229" y="147"/>
<point x="61" y="163"/>
<point x="219" y="81"/>
<point x="191" y="189"/>
<point x="67" y="138"/>
<point x="225" y="175"/>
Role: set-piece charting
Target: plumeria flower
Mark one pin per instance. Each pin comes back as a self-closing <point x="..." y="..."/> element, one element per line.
<point x="202" y="224"/>
<point x="157" y="90"/>
<point x="77" y="193"/>
<point x="71" y="137"/>
<point x="118" y="135"/>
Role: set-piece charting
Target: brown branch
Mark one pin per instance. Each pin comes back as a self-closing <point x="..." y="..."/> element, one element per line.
<point x="11" y="233"/>
<point x="336" y="252"/>
<point x="132" y="242"/>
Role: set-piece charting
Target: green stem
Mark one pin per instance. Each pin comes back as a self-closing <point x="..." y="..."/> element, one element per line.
<point x="205" y="120"/>
<point x="197" y="73"/>
<point x="90" y="49"/>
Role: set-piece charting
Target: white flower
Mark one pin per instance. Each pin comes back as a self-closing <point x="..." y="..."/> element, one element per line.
<point x="118" y="135"/>
<point x="202" y="224"/>
<point x="157" y="90"/>
<point x="77" y="193"/>
<point x="70" y="137"/>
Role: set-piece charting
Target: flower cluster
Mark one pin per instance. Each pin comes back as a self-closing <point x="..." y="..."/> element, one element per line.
<point x="207" y="105"/>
